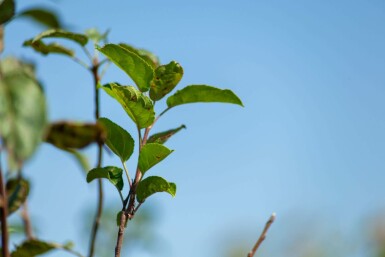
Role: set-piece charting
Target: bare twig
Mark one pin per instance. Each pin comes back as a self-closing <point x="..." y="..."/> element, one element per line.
<point x="4" y="214"/>
<point x="27" y="221"/>
<point x="99" y="210"/>
<point x="262" y="236"/>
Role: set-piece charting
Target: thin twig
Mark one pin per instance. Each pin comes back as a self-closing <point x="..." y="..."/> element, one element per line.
<point x="127" y="174"/>
<point x="4" y="215"/>
<point x="77" y="60"/>
<point x="87" y="53"/>
<point x="99" y="210"/>
<point x="262" y="236"/>
<point x="27" y="221"/>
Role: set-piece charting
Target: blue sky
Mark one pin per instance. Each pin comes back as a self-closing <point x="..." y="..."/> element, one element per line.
<point x="309" y="144"/>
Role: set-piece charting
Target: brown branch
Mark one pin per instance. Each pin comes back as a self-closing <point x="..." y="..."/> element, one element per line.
<point x="27" y="221"/>
<point x="99" y="210"/>
<point x="122" y="226"/>
<point x="4" y="215"/>
<point x="262" y="236"/>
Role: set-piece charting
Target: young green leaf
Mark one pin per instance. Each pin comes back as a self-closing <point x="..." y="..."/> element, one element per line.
<point x="165" y="80"/>
<point x="22" y="110"/>
<point x="138" y="106"/>
<point x="150" y="155"/>
<point x="118" y="139"/>
<point x="51" y="48"/>
<point x="7" y="8"/>
<point x="42" y="16"/>
<point x="162" y="137"/>
<point x="94" y="35"/>
<point x="58" y="33"/>
<point x="32" y="248"/>
<point x="74" y="135"/>
<point x="17" y="191"/>
<point x="113" y="174"/>
<point x="202" y="93"/>
<point x="131" y="63"/>
<point x="152" y="185"/>
<point x="149" y="57"/>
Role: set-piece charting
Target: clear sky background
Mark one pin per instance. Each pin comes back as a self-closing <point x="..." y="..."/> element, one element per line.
<point x="309" y="144"/>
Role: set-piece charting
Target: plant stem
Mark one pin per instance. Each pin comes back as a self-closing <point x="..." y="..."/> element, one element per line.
<point x="4" y="215"/>
<point x="99" y="210"/>
<point x="26" y="221"/>
<point x="118" y="247"/>
<point x="127" y="174"/>
<point x="262" y="236"/>
<point x="130" y="211"/>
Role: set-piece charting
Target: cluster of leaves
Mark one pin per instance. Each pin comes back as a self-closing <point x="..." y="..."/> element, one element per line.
<point x="23" y="122"/>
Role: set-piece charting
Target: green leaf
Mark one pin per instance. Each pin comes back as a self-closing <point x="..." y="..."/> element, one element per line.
<point x="51" y="48"/>
<point x="7" y="8"/>
<point x="131" y="63"/>
<point x="165" y="80"/>
<point x="17" y="191"/>
<point x="152" y="185"/>
<point x="94" y="35"/>
<point x="203" y="94"/>
<point x="150" y="155"/>
<point x="22" y="110"/>
<point x="74" y="135"/>
<point x="58" y="33"/>
<point x="113" y="174"/>
<point x="162" y="137"/>
<point x="138" y="106"/>
<point x="149" y="57"/>
<point x="42" y="16"/>
<point x="32" y="248"/>
<point x="118" y="139"/>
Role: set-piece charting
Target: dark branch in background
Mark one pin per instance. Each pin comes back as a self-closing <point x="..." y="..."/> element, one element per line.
<point x="26" y="221"/>
<point x="262" y="236"/>
<point x="99" y="210"/>
<point x="4" y="215"/>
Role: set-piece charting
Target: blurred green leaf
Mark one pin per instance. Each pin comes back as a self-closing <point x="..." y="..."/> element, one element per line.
<point x="43" y="16"/>
<point x="113" y="174"/>
<point x="118" y="139"/>
<point x="131" y="63"/>
<point x="7" y="10"/>
<point x="22" y="110"/>
<point x="58" y="33"/>
<point x="17" y="191"/>
<point x="165" y="80"/>
<point x="152" y="185"/>
<point x="138" y="106"/>
<point x="94" y="35"/>
<point x="149" y="57"/>
<point x="65" y="134"/>
<point x="150" y="155"/>
<point x="203" y="94"/>
<point x="162" y="137"/>
<point x="51" y="48"/>
<point x="32" y="248"/>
